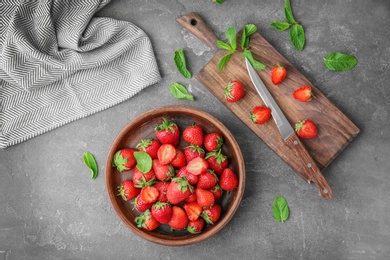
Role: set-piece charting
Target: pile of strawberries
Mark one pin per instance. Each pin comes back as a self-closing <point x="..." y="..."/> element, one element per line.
<point x="183" y="186"/>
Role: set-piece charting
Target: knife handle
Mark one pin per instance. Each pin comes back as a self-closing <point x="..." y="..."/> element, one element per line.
<point x="310" y="167"/>
<point x="195" y="25"/>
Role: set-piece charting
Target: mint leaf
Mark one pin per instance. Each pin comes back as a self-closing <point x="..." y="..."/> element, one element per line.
<point x="144" y="161"/>
<point x="257" y="65"/>
<point x="90" y="162"/>
<point x="288" y="12"/>
<point x="231" y="34"/>
<point x="337" y="61"/>
<point x="249" y="29"/>
<point x="180" y="61"/>
<point x="223" y="45"/>
<point x="218" y="1"/>
<point x="297" y="36"/>
<point x="280" y="209"/>
<point x="224" y="60"/>
<point x="280" y="26"/>
<point x="180" y="92"/>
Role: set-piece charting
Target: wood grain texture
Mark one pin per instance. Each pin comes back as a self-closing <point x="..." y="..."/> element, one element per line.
<point x="335" y="129"/>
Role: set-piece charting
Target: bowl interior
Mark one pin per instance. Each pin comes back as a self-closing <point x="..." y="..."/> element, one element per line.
<point x="143" y="127"/>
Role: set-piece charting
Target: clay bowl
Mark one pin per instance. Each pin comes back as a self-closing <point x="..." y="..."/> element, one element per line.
<point x="143" y="127"/>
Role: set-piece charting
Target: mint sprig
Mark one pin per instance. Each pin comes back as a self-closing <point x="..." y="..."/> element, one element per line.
<point x="181" y="65"/>
<point x="231" y="46"/>
<point x="297" y="32"/>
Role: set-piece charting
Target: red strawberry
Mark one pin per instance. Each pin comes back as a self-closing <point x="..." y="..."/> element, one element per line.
<point x="179" y="160"/>
<point x="197" y="166"/>
<point x="162" y="172"/>
<point x="195" y="226"/>
<point x="127" y="190"/>
<point x="149" y="194"/>
<point x="191" y="198"/>
<point x="204" y="198"/>
<point x="179" y="190"/>
<point x="193" y="151"/>
<point x="306" y="129"/>
<point x="217" y="161"/>
<point x="234" y="91"/>
<point x="207" y="180"/>
<point x="124" y="159"/>
<point x="278" y="74"/>
<point x="211" y="214"/>
<point x="147" y="221"/>
<point x="150" y="146"/>
<point x="303" y="94"/>
<point x="212" y="141"/>
<point x="140" y="204"/>
<point x="141" y="179"/>
<point x="178" y="219"/>
<point x="162" y="188"/>
<point x="193" y="210"/>
<point x="260" y="114"/>
<point x="228" y="180"/>
<point x="217" y="192"/>
<point x="167" y="133"/>
<point x="162" y="212"/>
<point x="182" y="172"/>
<point x="193" y="135"/>
<point x="166" y="153"/>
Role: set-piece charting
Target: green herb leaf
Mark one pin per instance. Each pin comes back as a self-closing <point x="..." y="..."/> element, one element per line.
<point x="257" y="65"/>
<point x="144" y="161"/>
<point x="280" y="209"/>
<point x="337" y="61"/>
<point x="288" y="12"/>
<point x="280" y="26"/>
<point x="297" y="36"/>
<point x="223" y="45"/>
<point x="90" y="162"/>
<point x="180" y="61"/>
<point x="224" y="60"/>
<point x="249" y="29"/>
<point x="180" y="92"/>
<point x="231" y="34"/>
<point x="219" y="1"/>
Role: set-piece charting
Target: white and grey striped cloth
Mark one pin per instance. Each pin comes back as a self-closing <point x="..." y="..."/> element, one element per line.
<point x="59" y="63"/>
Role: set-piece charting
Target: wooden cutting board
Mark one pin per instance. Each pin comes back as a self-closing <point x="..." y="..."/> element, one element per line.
<point x="335" y="129"/>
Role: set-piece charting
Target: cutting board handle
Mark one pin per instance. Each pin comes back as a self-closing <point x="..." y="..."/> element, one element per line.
<point x="195" y="25"/>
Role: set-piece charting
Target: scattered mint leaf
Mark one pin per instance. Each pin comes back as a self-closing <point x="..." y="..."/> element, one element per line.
<point x="248" y="30"/>
<point x="280" y="26"/>
<point x="280" y="209"/>
<point x="257" y="65"/>
<point x="337" y="61"/>
<point x="288" y="12"/>
<point x="231" y="34"/>
<point x="90" y="162"/>
<point x="297" y="36"/>
<point x="224" y="60"/>
<point x="223" y="45"/>
<point x="218" y="1"/>
<point x="180" y="92"/>
<point x="180" y="61"/>
<point x="144" y="161"/>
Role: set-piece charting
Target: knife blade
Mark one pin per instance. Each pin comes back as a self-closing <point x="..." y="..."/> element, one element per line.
<point x="290" y="138"/>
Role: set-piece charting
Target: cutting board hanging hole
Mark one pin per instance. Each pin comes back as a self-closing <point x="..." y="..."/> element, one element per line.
<point x="194" y="22"/>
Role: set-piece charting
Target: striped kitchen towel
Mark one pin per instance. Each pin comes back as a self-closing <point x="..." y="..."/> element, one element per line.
<point x="59" y="63"/>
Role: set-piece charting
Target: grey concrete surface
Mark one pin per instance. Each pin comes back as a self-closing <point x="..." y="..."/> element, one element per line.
<point x="51" y="209"/>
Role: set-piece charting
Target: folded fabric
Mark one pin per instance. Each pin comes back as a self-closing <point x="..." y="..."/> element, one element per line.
<point x="59" y="63"/>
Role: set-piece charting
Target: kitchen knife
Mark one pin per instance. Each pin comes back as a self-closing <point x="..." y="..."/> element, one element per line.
<point x="311" y="170"/>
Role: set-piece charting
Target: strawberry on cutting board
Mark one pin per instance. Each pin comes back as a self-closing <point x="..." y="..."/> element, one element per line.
<point x="306" y="129"/>
<point x="303" y="94"/>
<point x="260" y="114"/>
<point x="234" y="91"/>
<point x="278" y="74"/>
